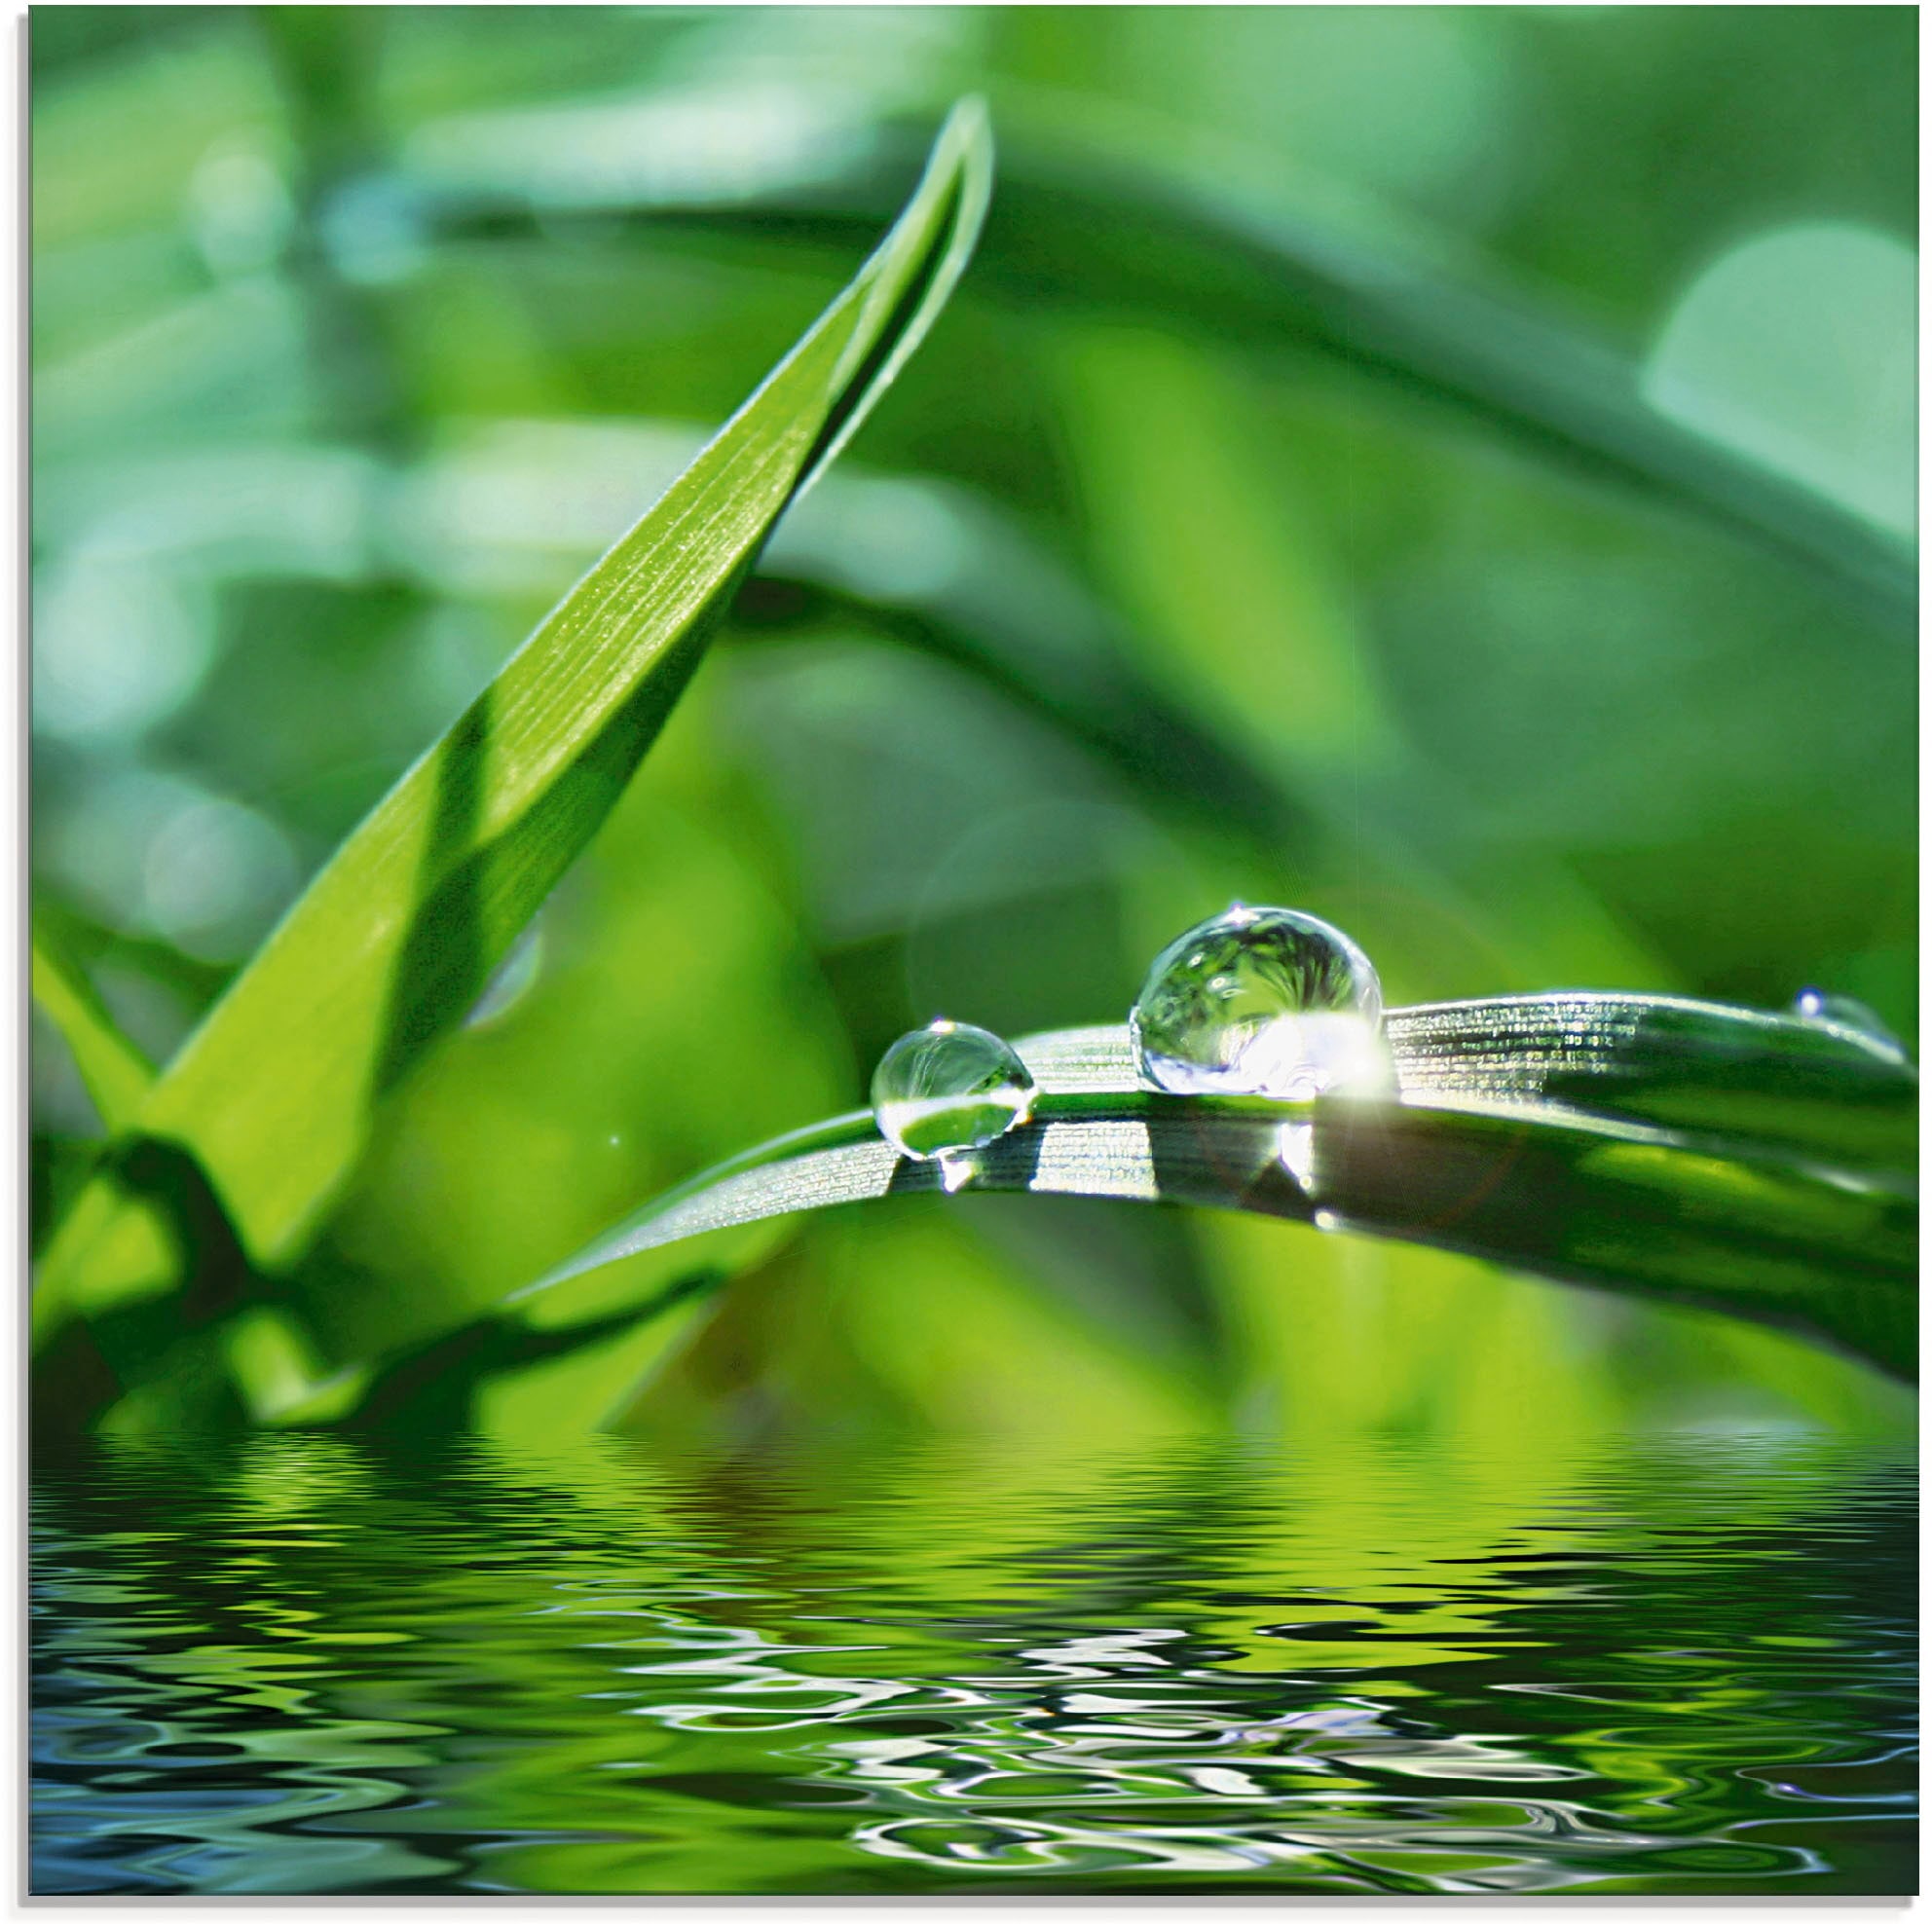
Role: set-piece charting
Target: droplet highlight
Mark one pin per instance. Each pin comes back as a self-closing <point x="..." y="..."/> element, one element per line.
<point x="947" y="1087"/>
<point x="1846" y="1012"/>
<point x="1262" y="1002"/>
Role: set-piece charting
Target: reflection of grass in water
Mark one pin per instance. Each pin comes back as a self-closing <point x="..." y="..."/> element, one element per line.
<point x="626" y="1669"/>
<point x="949" y="1123"/>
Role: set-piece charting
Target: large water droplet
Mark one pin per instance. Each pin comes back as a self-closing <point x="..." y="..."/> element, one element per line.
<point x="949" y="1086"/>
<point x="1846" y="1012"/>
<point x="1261" y="1002"/>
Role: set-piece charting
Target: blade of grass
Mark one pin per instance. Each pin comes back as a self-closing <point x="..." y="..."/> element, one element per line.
<point x="1526" y="1135"/>
<point x="116" y="1072"/>
<point x="1783" y="1192"/>
<point x="267" y="1107"/>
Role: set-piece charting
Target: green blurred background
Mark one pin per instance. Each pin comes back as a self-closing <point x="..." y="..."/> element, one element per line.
<point x="359" y="333"/>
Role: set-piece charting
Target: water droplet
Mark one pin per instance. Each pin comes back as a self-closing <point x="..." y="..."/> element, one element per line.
<point x="1261" y="1002"/>
<point x="1846" y="1012"/>
<point x="949" y="1086"/>
<point x="514" y="978"/>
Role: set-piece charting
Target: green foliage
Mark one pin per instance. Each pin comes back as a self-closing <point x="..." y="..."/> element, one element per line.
<point x="357" y="337"/>
<point x="271" y="1100"/>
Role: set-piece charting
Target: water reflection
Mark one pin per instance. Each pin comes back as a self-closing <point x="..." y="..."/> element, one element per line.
<point x="301" y="1664"/>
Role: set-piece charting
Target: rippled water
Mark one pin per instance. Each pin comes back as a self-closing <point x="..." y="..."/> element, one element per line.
<point x="305" y="1664"/>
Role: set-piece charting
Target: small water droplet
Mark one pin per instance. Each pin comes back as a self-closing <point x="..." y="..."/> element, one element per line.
<point x="949" y="1086"/>
<point x="515" y="975"/>
<point x="1262" y="1002"/>
<point x="1846" y="1012"/>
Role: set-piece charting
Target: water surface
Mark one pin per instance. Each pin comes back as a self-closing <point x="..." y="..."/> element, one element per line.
<point x="303" y="1663"/>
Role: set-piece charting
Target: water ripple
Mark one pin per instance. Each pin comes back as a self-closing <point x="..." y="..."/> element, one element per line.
<point x="302" y="1664"/>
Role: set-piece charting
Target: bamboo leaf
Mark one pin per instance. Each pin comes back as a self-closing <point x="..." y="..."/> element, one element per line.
<point x="1529" y="1133"/>
<point x="253" y="1127"/>
<point x="116" y="1072"/>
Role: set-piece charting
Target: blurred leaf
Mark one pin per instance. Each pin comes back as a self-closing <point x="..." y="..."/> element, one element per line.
<point x="963" y="1339"/>
<point x="1102" y="234"/>
<point x="936" y="569"/>
<point x="668" y="969"/>
<point x="439" y="1384"/>
<point x="1794" y="347"/>
<point x="1782" y="1190"/>
<point x="1236" y="605"/>
<point x="117" y="1074"/>
<point x="1232" y="266"/>
<point x="268" y="1105"/>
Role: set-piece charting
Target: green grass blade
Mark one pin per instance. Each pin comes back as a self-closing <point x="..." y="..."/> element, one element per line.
<point x="1526" y="1135"/>
<point x="267" y="1107"/>
<point x="115" y="1071"/>
<point x="1782" y="1192"/>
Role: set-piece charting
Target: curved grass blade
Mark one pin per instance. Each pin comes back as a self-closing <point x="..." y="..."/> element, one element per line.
<point x="116" y="1072"/>
<point x="267" y="1107"/>
<point x="1261" y="275"/>
<point x="1528" y="1134"/>
<point x="1769" y="1082"/>
<point x="1102" y="230"/>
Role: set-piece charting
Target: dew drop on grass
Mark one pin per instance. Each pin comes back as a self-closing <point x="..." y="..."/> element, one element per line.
<point x="1261" y="1002"/>
<point x="1846" y="1012"/>
<point x="514" y="978"/>
<point x="949" y="1086"/>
